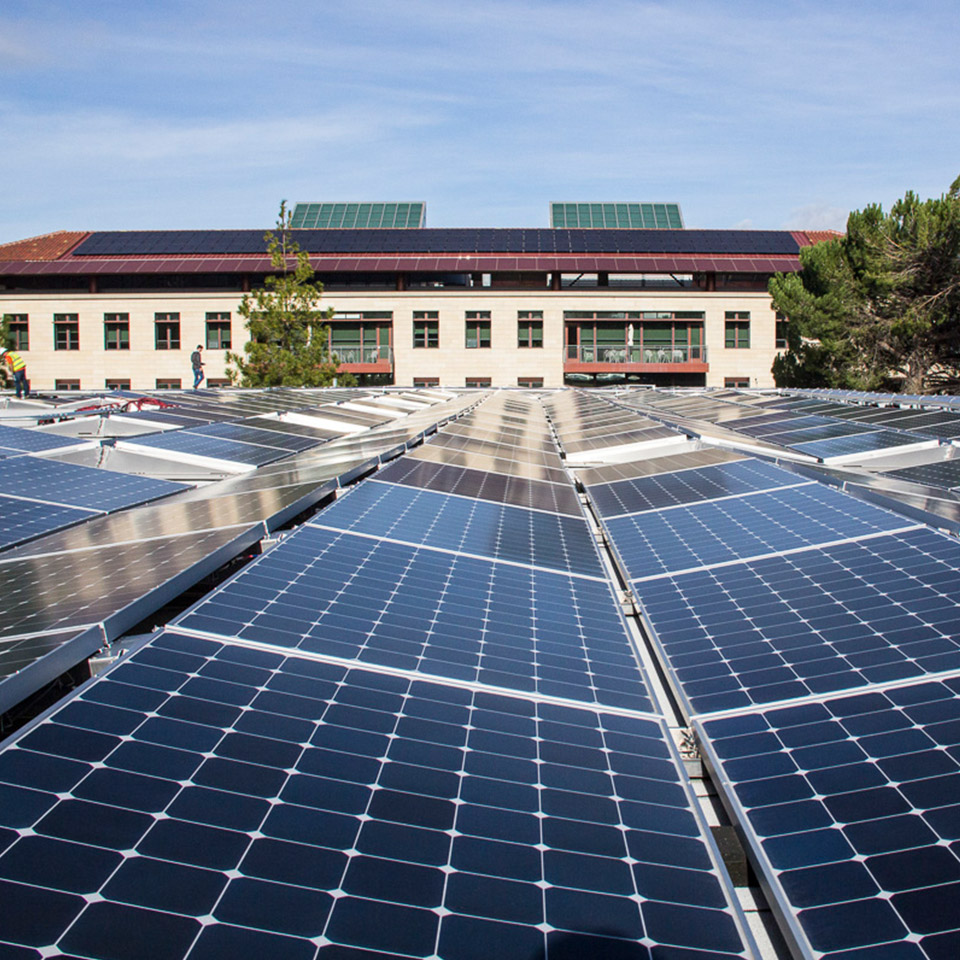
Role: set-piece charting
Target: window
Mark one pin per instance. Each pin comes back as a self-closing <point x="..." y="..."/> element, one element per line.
<point x="478" y="328"/>
<point x="477" y="382"/>
<point x="116" y="331"/>
<point x="529" y="381"/>
<point x="780" y="335"/>
<point x="216" y="382"/>
<point x="426" y="328"/>
<point x="530" y="328"/>
<point x="737" y="330"/>
<point x="112" y="384"/>
<point x="737" y="383"/>
<point x="636" y="336"/>
<point x="218" y="331"/>
<point x="66" y="333"/>
<point x="361" y="336"/>
<point x="426" y="381"/>
<point x="167" y="330"/>
<point x="18" y="334"/>
<point x="168" y="384"/>
<point x="66" y="384"/>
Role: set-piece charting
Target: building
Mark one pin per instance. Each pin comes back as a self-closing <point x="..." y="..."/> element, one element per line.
<point x="413" y="306"/>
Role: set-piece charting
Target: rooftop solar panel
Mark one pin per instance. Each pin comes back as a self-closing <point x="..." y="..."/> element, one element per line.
<point x="212" y="799"/>
<point x="484" y="485"/>
<point x="861" y="443"/>
<point x="69" y="484"/>
<point x="943" y="473"/>
<point x="812" y="622"/>
<point x="688" y="486"/>
<point x="719" y="531"/>
<point x="198" y="445"/>
<point x="24" y="519"/>
<point x="849" y="804"/>
<point x="433" y="612"/>
<point x="33" y="441"/>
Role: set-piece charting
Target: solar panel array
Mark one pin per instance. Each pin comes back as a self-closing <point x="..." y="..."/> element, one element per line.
<point x="813" y="641"/>
<point x="363" y="746"/>
<point x="656" y="216"/>
<point x="439" y="241"/>
<point x="361" y="216"/>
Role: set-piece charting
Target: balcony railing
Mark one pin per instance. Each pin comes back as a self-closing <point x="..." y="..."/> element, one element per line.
<point x="363" y="355"/>
<point x="629" y="354"/>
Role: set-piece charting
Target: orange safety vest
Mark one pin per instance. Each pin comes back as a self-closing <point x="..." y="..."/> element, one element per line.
<point x="15" y="360"/>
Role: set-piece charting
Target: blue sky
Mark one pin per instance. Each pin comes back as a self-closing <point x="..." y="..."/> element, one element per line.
<point x="206" y="113"/>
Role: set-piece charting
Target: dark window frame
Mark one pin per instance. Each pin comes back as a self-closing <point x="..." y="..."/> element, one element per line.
<point x="427" y="337"/>
<point x="530" y="329"/>
<point x="18" y="331"/>
<point x="216" y="323"/>
<point x="166" y="331"/>
<point x="66" y="331"/>
<point x="116" y="331"/>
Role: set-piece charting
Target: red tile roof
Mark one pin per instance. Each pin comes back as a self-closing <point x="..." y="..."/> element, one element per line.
<point x="817" y="236"/>
<point x="49" y="246"/>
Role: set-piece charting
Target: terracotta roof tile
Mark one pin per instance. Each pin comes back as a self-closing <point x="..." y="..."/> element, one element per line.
<point x="49" y="246"/>
<point x="819" y="236"/>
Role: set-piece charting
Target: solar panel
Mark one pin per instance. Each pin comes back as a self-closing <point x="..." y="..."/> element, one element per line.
<point x="688" y="486"/>
<point x="245" y="433"/>
<point x="34" y="441"/>
<point x="483" y="485"/>
<point x="861" y="443"/>
<point x="198" y="445"/>
<point x="24" y="519"/>
<point x="70" y="484"/>
<point x="850" y="804"/>
<point x="795" y="437"/>
<point x="719" y="531"/>
<point x="943" y="473"/>
<point x="621" y="215"/>
<point x="215" y="799"/>
<point x="812" y="622"/>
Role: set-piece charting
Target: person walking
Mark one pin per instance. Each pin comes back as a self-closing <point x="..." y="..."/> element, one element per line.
<point x="18" y="366"/>
<point x="196" y="358"/>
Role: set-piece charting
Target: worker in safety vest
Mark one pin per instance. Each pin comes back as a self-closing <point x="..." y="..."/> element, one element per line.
<point x="18" y="367"/>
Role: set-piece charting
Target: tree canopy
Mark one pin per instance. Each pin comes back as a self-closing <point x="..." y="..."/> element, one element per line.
<point x="880" y="306"/>
<point x="289" y="343"/>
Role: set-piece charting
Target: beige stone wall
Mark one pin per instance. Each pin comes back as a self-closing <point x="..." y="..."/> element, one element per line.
<point x="503" y="363"/>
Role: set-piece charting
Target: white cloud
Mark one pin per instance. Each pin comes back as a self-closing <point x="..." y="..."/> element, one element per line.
<point x="817" y="216"/>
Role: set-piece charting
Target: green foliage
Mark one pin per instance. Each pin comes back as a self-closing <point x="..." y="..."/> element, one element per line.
<point x="289" y="343"/>
<point x="878" y="308"/>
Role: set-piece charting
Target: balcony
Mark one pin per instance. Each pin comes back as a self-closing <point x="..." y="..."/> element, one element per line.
<point x="628" y="358"/>
<point x="364" y="359"/>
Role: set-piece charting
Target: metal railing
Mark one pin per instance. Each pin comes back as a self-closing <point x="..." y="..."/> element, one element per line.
<point x="629" y="353"/>
<point x="363" y="354"/>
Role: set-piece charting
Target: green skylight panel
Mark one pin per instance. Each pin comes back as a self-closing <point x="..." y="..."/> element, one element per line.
<point x="620" y="215"/>
<point x="321" y="216"/>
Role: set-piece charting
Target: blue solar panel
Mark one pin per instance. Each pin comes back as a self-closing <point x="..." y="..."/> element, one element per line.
<point x="434" y="612"/>
<point x="813" y="622"/>
<point x="24" y="519"/>
<point x="467" y="525"/>
<point x="245" y="433"/>
<point x="34" y="441"/>
<point x="688" y="486"/>
<point x="861" y="443"/>
<point x="683" y="538"/>
<point x="794" y="437"/>
<point x="944" y="473"/>
<point x="70" y="484"/>
<point x="852" y="807"/>
<point x="228" y="802"/>
<point x="198" y="445"/>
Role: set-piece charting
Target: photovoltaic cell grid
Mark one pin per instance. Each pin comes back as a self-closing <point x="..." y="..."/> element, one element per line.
<point x="734" y="529"/>
<point x="484" y="485"/>
<point x="20" y="440"/>
<point x="429" y="611"/>
<point x="688" y="486"/>
<point x="211" y="801"/>
<point x="357" y="215"/>
<point x="624" y="215"/>
<point x="854" y="805"/>
<point x="465" y="525"/>
<point x="247" y="433"/>
<point x="810" y="623"/>
<point x="945" y="473"/>
<point x="73" y="485"/>
<point x="861" y="443"/>
<point x="23" y="519"/>
<point x="196" y="444"/>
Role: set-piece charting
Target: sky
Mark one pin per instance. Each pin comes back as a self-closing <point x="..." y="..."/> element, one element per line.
<point x="207" y="113"/>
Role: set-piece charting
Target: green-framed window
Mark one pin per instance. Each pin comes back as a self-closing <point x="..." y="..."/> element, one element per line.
<point x="530" y="328"/>
<point x="116" y="331"/>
